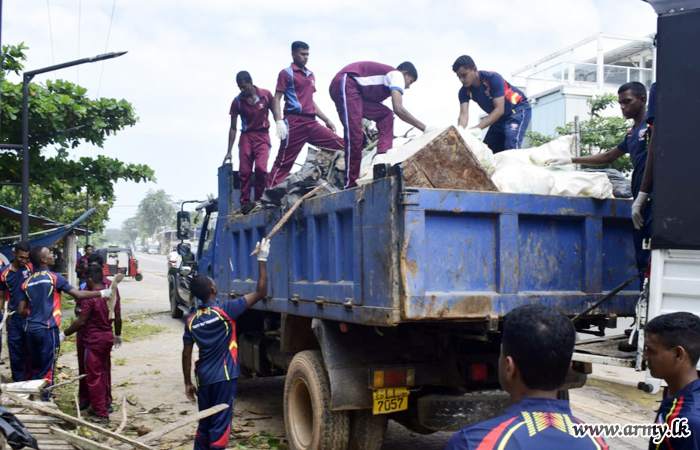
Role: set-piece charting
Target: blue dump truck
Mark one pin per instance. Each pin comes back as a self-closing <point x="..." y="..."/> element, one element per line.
<point x="385" y="301"/>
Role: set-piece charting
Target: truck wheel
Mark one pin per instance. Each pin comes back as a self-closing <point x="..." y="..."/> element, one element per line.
<point x="367" y="430"/>
<point x="175" y="312"/>
<point x="308" y="420"/>
<point x="138" y="277"/>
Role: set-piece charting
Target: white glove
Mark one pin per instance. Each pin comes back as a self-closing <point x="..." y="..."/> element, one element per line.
<point x="475" y="131"/>
<point x="429" y="128"/>
<point x="61" y="337"/>
<point x="558" y="162"/>
<point x="106" y="293"/>
<point x="264" y="249"/>
<point x="281" y="130"/>
<point x="117" y="341"/>
<point x="637" y="207"/>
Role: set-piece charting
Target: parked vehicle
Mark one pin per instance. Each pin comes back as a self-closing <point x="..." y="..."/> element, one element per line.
<point x="120" y="260"/>
<point x="153" y="249"/>
<point x="386" y="301"/>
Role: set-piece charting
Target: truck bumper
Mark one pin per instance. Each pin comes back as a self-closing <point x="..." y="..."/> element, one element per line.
<point x="454" y="412"/>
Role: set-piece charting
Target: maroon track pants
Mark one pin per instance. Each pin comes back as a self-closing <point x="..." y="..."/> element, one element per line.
<point x="352" y="108"/>
<point x="302" y="129"/>
<point x="254" y="149"/>
<point x="97" y="377"/>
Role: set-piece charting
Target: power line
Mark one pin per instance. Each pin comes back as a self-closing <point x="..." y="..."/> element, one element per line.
<point x="109" y="31"/>
<point x="48" y="9"/>
<point x="80" y="10"/>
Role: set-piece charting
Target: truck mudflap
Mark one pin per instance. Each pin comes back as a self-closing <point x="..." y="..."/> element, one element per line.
<point x="440" y="412"/>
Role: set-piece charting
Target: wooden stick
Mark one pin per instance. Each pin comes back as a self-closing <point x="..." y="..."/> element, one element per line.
<point x="78" y="441"/>
<point x="123" y="424"/>
<point x="152" y="436"/>
<point x="289" y="213"/>
<point x="71" y="419"/>
<point x="72" y="380"/>
<point x="4" y="316"/>
<point x="77" y="404"/>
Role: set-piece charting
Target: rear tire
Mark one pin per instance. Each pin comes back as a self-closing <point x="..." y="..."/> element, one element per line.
<point x="138" y="277"/>
<point x="367" y="430"/>
<point x="308" y="420"/>
<point x="175" y="311"/>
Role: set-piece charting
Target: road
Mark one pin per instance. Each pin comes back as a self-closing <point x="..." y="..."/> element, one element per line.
<point x="151" y="372"/>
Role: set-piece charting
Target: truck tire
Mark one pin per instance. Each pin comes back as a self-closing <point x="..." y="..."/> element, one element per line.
<point x="308" y="420"/>
<point x="175" y="311"/>
<point x="138" y="277"/>
<point x="367" y="430"/>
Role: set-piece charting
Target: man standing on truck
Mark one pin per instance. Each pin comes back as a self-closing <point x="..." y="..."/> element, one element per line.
<point x="297" y="84"/>
<point x="253" y="105"/>
<point x="672" y="351"/>
<point x="358" y="91"/>
<point x="82" y="264"/>
<point x="536" y="349"/>
<point x="41" y="305"/>
<point x="633" y="99"/>
<point x="12" y="277"/>
<point x="212" y="326"/>
<point x="507" y="107"/>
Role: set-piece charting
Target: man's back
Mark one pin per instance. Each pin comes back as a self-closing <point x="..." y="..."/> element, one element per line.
<point x="11" y="284"/>
<point x="98" y="327"/>
<point x="531" y="424"/>
<point x="685" y="405"/>
<point x="43" y="291"/>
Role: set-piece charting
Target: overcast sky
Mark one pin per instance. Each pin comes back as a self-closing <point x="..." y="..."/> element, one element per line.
<point x="183" y="56"/>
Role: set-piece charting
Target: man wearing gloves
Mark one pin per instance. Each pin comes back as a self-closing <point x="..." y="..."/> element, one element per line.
<point x="212" y="326"/>
<point x="632" y="98"/>
<point x="297" y="84"/>
<point x="12" y="277"/>
<point x="358" y="91"/>
<point x="98" y="339"/>
<point x="507" y="107"/>
<point x="253" y="105"/>
<point x="641" y="208"/>
<point x="41" y="305"/>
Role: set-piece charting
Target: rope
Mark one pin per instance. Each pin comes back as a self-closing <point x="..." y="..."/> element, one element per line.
<point x="109" y="32"/>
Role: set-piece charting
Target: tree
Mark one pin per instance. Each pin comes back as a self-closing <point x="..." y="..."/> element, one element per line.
<point x="130" y="230"/>
<point x="598" y="134"/>
<point x="156" y="210"/>
<point x="62" y="116"/>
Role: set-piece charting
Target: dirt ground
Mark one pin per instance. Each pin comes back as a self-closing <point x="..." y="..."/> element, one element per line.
<point x="148" y="372"/>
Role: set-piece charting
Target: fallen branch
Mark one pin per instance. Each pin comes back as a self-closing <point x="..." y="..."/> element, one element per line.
<point x="78" y="441"/>
<point x="68" y="418"/>
<point x="122" y="425"/>
<point x="72" y="380"/>
<point x="152" y="436"/>
<point x="112" y="300"/>
<point x="289" y="213"/>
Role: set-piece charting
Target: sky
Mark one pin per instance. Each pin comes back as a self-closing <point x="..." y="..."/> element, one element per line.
<point x="183" y="56"/>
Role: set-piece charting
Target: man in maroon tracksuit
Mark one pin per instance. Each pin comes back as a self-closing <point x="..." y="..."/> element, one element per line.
<point x="297" y="84"/>
<point x="253" y="105"/>
<point x="358" y="91"/>
<point x="98" y="337"/>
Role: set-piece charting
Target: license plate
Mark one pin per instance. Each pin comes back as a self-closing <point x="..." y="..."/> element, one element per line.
<point x="388" y="400"/>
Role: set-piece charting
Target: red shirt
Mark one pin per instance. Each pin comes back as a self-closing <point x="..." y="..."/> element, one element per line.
<point x="98" y="328"/>
<point x="253" y="117"/>
<point x="298" y="86"/>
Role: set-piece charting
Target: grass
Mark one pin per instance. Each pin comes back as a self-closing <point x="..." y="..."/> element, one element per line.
<point x="262" y="440"/>
<point x="120" y="361"/>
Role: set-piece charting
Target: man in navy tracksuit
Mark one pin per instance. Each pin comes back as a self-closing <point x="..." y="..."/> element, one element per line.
<point x="672" y="351"/>
<point x="536" y="349"/>
<point x="212" y="326"/>
<point x="11" y="278"/>
<point x="41" y="306"/>
<point x="507" y="107"/>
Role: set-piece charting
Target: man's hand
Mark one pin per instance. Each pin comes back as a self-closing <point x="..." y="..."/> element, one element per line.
<point x="264" y="249"/>
<point x="191" y="392"/>
<point x="637" y="208"/>
<point x="282" y="131"/>
<point x="557" y="162"/>
<point x="117" y="341"/>
<point x="475" y="131"/>
<point x="330" y="125"/>
<point x="61" y="337"/>
<point x="106" y="293"/>
<point x="227" y="157"/>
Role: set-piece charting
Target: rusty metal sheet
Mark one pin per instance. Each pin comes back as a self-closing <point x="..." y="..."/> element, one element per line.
<point x="446" y="163"/>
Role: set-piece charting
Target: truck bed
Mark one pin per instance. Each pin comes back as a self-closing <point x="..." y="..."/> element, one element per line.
<point x="383" y="254"/>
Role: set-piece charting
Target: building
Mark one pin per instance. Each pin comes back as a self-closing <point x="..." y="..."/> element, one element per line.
<point x="559" y="85"/>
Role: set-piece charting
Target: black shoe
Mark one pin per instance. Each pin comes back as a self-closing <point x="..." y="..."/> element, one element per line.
<point x="110" y="409"/>
<point x="98" y="419"/>
<point x="83" y="406"/>
<point x="247" y="208"/>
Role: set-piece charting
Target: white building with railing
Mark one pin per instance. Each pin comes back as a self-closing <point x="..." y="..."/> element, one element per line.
<point x="558" y="85"/>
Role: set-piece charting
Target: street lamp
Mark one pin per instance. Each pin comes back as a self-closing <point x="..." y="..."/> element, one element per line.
<point x="27" y="77"/>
